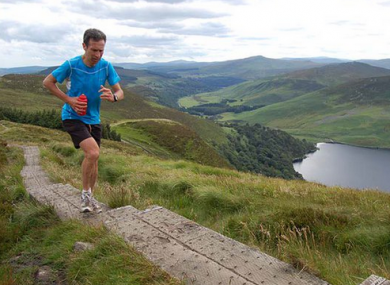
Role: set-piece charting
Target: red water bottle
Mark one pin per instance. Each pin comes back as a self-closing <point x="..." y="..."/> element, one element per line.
<point x="82" y="98"/>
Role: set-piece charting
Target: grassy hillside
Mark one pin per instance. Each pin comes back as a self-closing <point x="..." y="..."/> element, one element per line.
<point x="26" y="92"/>
<point x="355" y="113"/>
<point x="341" y="235"/>
<point x="169" y="139"/>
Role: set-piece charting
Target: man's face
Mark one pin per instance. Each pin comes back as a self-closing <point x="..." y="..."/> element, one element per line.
<point x="94" y="51"/>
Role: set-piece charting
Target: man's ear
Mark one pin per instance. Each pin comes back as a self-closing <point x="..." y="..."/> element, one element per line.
<point x="84" y="46"/>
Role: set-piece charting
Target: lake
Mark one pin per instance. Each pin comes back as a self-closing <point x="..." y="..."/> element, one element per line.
<point x="347" y="166"/>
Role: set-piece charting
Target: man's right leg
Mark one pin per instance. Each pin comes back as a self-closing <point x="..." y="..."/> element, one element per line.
<point x="89" y="169"/>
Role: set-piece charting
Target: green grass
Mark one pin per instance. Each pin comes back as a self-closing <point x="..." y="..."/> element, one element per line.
<point x="341" y="235"/>
<point x="169" y="139"/>
<point x="32" y="236"/>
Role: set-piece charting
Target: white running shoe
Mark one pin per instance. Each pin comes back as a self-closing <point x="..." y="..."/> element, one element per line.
<point x="86" y="202"/>
<point x="95" y="205"/>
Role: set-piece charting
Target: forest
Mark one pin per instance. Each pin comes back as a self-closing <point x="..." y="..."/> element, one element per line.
<point x="259" y="149"/>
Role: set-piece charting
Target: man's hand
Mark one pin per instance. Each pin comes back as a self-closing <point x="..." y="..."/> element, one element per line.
<point x="106" y="94"/>
<point x="78" y="106"/>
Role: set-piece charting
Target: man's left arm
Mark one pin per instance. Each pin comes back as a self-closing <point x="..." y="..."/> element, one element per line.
<point x="115" y="95"/>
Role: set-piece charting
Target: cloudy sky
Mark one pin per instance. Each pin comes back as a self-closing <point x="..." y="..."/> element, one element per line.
<point x="46" y="32"/>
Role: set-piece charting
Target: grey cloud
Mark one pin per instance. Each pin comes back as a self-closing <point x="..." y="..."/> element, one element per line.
<point x="152" y="13"/>
<point x="147" y="41"/>
<point x="204" y="29"/>
<point x="32" y="32"/>
<point x="151" y="25"/>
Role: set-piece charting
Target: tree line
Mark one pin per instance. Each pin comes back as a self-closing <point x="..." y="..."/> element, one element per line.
<point x="259" y="149"/>
<point x="48" y="119"/>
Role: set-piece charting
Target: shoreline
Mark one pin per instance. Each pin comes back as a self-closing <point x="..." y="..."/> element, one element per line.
<point x="355" y="145"/>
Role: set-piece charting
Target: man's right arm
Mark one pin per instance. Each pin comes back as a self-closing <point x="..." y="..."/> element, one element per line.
<point x="51" y="84"/>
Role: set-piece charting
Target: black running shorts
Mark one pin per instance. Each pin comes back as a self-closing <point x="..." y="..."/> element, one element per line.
<point x="80" y="131"/>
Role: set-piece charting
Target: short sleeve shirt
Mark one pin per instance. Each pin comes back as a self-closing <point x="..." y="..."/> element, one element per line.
<point x="82" y="79"/>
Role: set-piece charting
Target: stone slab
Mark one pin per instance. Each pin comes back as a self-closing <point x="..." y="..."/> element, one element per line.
<point x="172" y="256"/>
<point x="375" y="280"/>
<point x="240" y="259"/>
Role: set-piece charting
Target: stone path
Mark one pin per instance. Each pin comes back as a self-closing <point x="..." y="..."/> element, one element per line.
<point x="180" y="246"/>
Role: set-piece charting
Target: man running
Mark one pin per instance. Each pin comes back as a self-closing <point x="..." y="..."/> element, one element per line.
<point x="86" y="74"/>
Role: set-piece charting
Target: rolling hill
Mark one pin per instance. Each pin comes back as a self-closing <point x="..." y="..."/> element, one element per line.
<point x="282" y="88"/>
<point x="356" y="112"/>
<point x="289" y="86"/>
<point x="21" y="70"/>
<point x="258" y="92"/>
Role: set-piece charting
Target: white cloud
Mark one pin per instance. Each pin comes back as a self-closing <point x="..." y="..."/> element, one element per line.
<point x="45" y="32"/>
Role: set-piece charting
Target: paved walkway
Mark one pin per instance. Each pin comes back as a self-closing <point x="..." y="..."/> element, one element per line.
<point x="181" y="247"/>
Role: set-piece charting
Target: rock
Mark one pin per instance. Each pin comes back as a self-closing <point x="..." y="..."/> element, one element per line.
<point x="44" y="275"/>
<point x="82" y="246"/>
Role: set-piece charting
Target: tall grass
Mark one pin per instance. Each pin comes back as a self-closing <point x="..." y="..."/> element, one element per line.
<point x="342" y="235"/>
<point x="31" y="235"/>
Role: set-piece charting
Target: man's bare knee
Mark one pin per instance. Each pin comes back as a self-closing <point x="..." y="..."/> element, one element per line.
<point x="92" y="155"/>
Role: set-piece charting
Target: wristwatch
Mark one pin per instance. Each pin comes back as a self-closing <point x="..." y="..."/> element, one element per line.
<point x="115" y="97"/>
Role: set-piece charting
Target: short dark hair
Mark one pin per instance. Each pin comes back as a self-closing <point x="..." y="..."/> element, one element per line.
<point x="94" y="34"/>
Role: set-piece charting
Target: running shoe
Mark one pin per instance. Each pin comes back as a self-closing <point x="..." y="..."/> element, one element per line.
<point x="86" y="202"/>
<point x="95" y="205"/>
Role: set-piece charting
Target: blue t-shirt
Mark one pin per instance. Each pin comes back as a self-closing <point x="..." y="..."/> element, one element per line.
<point x="82" y="79"/>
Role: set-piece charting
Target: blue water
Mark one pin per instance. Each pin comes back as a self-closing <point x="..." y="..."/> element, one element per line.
<point x="347" y="166"/>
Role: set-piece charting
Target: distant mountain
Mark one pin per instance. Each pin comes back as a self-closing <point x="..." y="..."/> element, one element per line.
<point x="291" y="85"/>
<point x="21" y="70"/>
<point x="334" y="74"/>
<point x="172" y="66"/>
<point x="323" y="60"/>
<point x="384" y="63"/>
<point x="245" y="69"/>
<point x="252" y="68"/>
